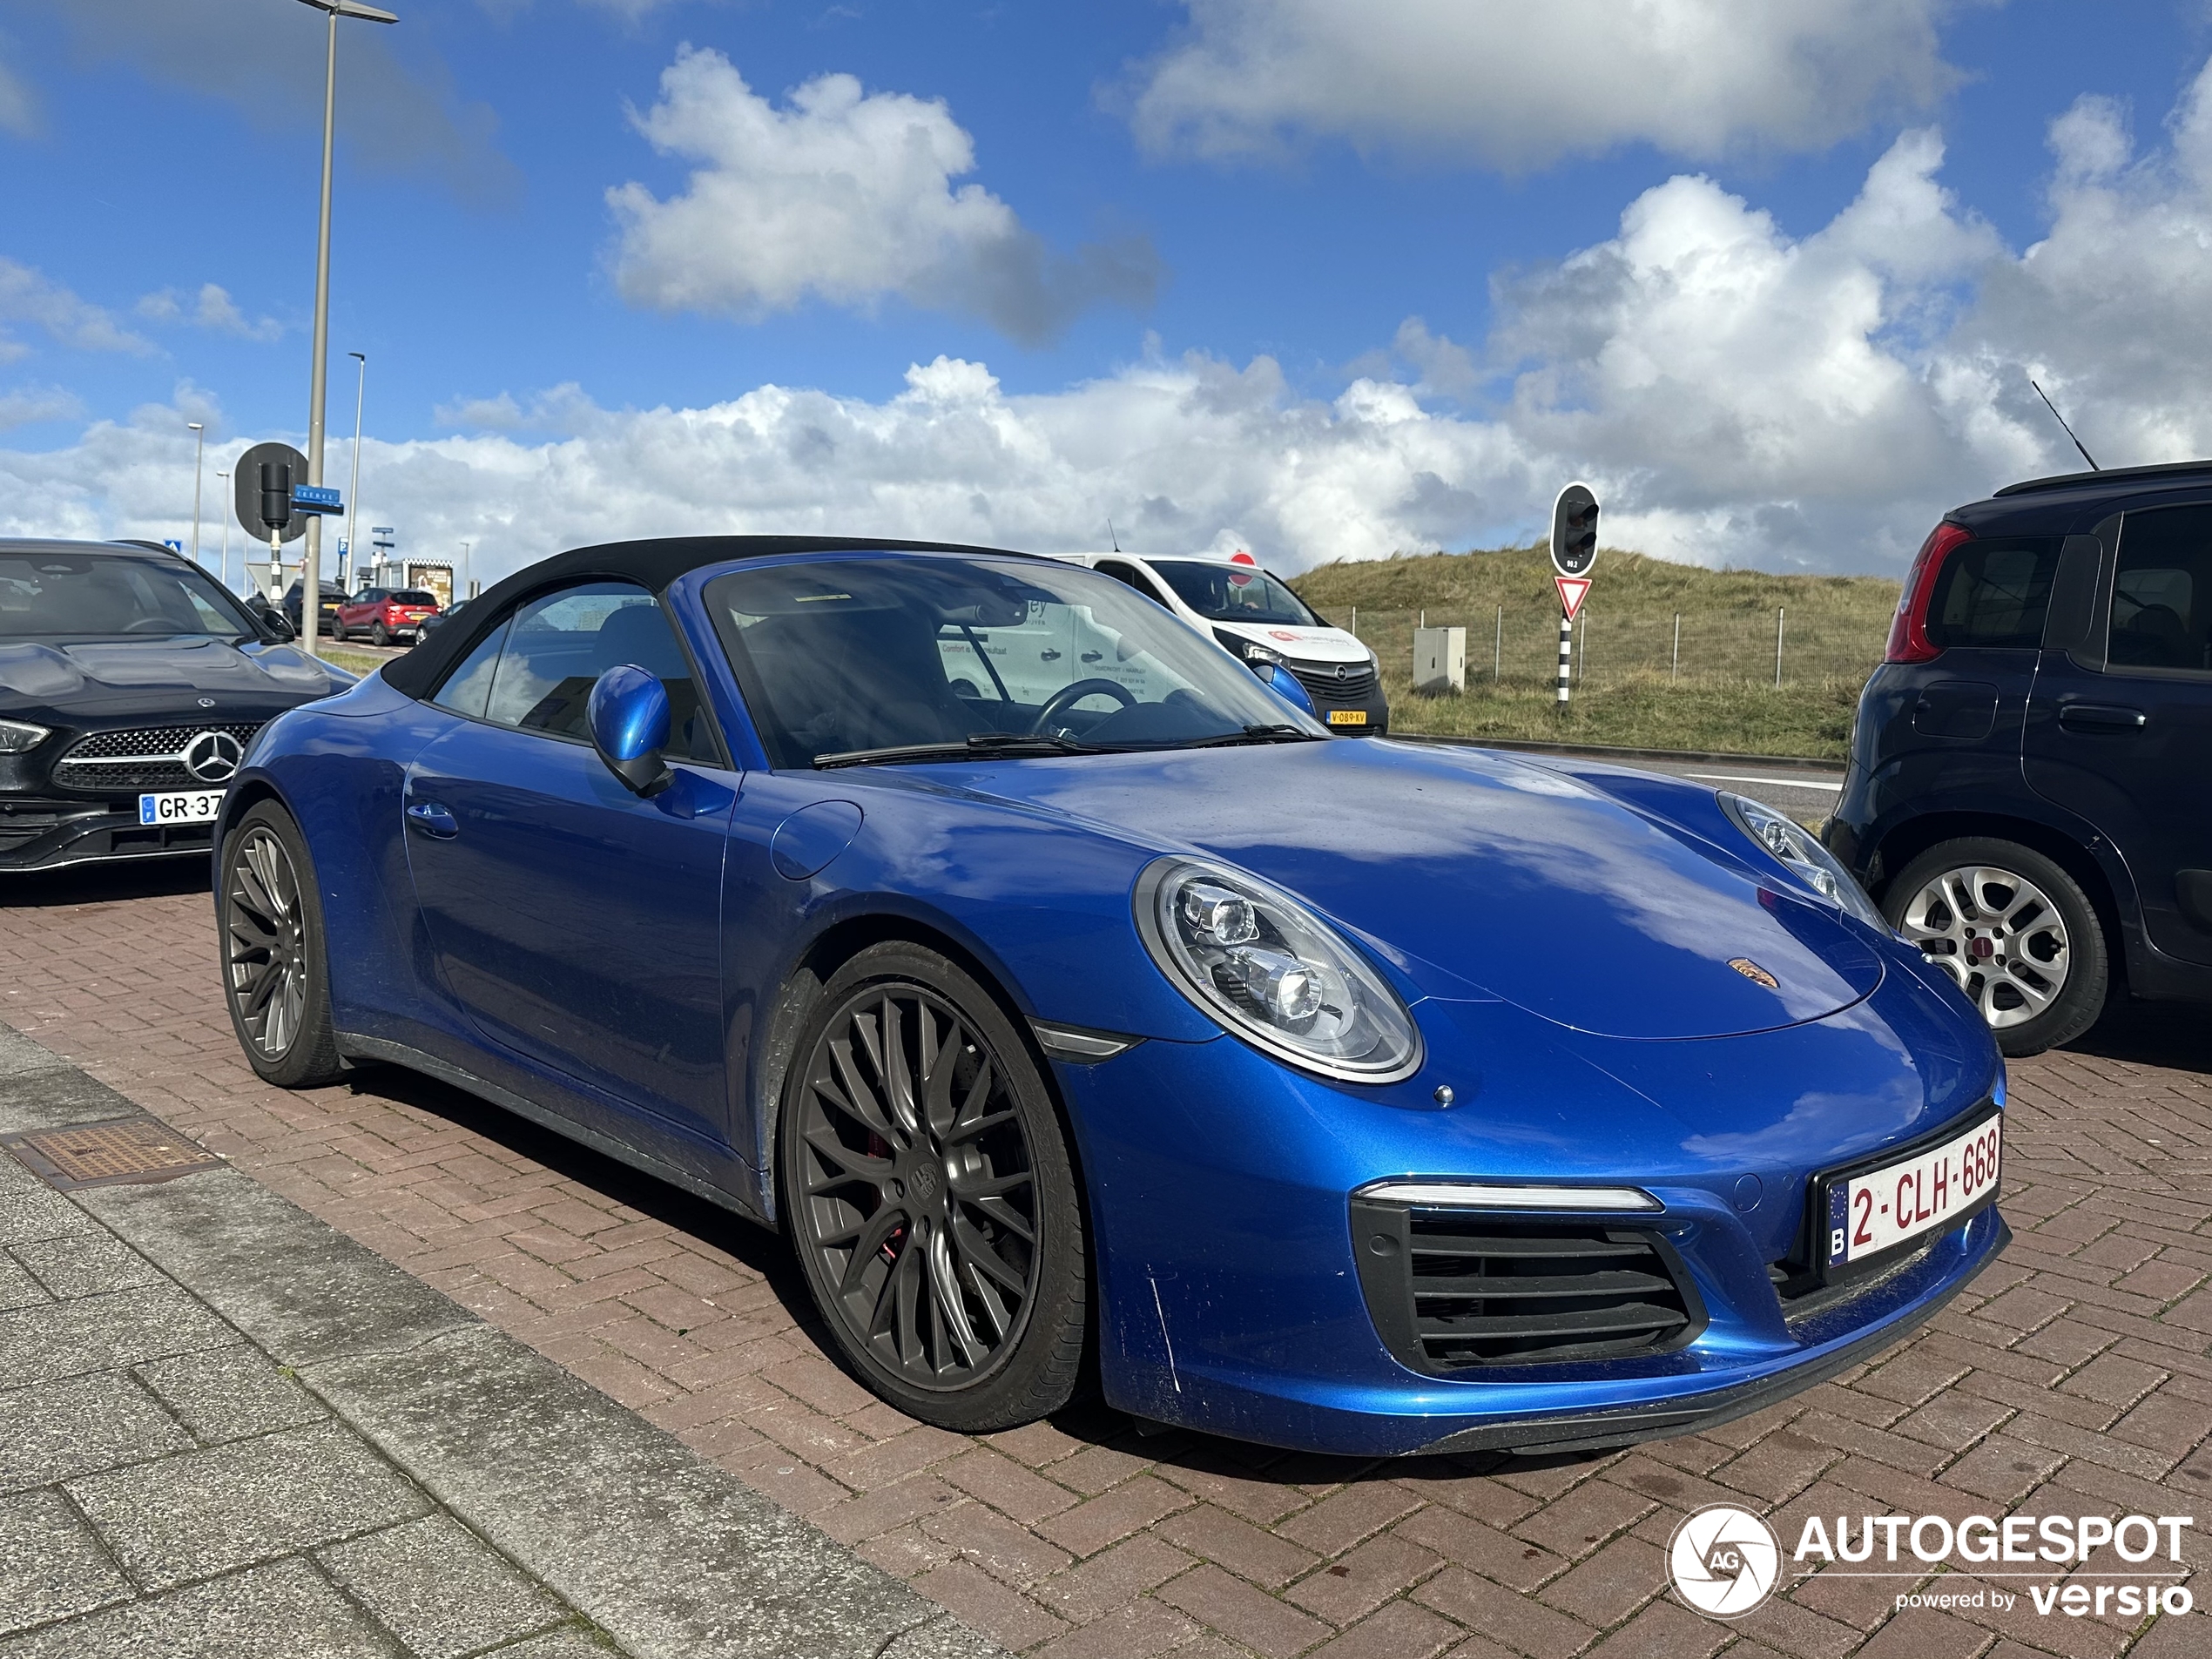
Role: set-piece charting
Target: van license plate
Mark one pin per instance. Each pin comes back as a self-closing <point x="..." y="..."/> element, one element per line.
<point x="186" y="806"/>
<point x="1869" y="1213"/>
<point x="1347" y="717"/>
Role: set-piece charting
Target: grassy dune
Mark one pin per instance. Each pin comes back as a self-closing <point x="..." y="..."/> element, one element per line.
<point x="1636" y="687"/>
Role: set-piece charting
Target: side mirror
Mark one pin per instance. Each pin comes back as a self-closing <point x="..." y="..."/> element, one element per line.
<point x="628" y="715"/>
<point x="1285" y="686"/>
<point x="274" y="622"/>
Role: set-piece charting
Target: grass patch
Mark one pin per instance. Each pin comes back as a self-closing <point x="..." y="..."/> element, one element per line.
<point x="353" y="661"/>
<point x="1667" y="656"/>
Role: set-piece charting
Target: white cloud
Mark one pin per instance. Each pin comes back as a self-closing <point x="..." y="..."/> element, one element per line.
<point x="1516" y="86"/>
<point x="1737" y="395"/>
<point x="212" y="308"/>
<point x="29" y="296"/>
<point x="845" y="196"/>
<point x="19" y="107"/>
<point x="30" y="405"/>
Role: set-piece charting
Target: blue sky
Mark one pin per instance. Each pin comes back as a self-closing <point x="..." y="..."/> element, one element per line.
<point x="1201" y="228"/>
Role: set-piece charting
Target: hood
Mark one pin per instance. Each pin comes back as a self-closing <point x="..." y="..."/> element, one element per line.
<point x="1307" y="644"/>
<point x="1482" y="876"/>
<point x="110" y="675"/>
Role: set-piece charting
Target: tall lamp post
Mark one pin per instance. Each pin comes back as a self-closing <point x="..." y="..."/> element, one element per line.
<point x="311" y="561"/>
<point x="223" y="569"/>
<point x="353" y="493"/>
<point x="199" y="459"/>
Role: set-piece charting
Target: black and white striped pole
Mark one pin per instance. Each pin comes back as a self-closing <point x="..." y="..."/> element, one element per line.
<point x="1574" y="551"/>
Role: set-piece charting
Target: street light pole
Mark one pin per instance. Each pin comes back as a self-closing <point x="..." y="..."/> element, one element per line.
<point x="311" y="561"/>
<point x="199" y="460"/>
<point x="353" y="493"/>
<point x="465" y="570"/>
<point x="223" y="569"/>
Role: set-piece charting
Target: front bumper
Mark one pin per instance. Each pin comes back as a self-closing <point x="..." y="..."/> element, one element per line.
<point x="1361" y="712"/>
<point x="1232" y="1298"/>
<point x="50" y="834"/>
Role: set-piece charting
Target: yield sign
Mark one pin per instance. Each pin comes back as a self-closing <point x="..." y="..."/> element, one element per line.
<point x="1573" y="589"/>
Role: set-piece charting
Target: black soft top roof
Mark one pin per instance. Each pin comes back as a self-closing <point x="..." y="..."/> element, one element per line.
<point x="652" y="565"/>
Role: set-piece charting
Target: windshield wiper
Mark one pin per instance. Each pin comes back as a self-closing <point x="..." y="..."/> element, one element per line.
<point x="982" y="744"/>
<point x="1279" y="731"/>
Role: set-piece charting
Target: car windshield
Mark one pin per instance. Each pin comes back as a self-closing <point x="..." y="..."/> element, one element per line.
<point x="106" y="596"/>
<point x="843" y="657"/>
<point x="1234" y="593"/>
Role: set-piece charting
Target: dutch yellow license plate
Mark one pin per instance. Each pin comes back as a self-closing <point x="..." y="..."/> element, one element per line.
<point x="1347" y="717"/>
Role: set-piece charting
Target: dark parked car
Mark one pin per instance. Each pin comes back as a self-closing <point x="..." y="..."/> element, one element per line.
<point x="334" y="595"/>
<point x="432" y="624"/>
<point x="2030" y="793"/>
<point x="386" y="614"/>
<point x="130" y="685"/>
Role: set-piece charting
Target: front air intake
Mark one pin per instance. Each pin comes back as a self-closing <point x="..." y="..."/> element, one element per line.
<point x="1456" y="1290"/>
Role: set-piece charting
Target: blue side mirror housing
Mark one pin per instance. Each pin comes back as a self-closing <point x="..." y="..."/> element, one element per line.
<point x="1285" y="686"/>
<point x="628" y="715"/>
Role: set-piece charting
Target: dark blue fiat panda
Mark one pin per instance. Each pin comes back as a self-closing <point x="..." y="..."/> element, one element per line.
<point x="2030" y="793"/>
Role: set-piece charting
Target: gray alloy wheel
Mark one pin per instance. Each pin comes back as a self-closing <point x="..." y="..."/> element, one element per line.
<point x="929" y="1196"/>
<point x="2014" y="930"/>
<point x="273" y="977"/>
<point x="378" y="635"/>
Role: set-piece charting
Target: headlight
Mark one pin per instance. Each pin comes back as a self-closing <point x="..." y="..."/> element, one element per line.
<point x="17" y="737"/>
<point x="1801" y="851"/>
<point x="1246" y="650"/>
<point x="1272" y="972"/>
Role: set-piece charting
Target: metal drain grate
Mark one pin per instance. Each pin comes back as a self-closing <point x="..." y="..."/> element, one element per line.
<point x="122" y="1151"/>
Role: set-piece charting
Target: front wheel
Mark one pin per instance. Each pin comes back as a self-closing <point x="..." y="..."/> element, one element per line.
<point x="2015" y="931"/>
<point x="276" y="976"/>
<point x="930" y="1195"/>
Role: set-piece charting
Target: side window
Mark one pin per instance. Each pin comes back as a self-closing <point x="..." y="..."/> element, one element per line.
<point x="560" y="642"/>
<point x="468" y="689"/>
<point x="1130" y="575"/>
<point x="2161" y="591"/>
<point x="1994" y="595"/>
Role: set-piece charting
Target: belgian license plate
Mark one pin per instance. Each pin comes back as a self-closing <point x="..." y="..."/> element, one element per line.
<point x="1876" y="1211"/>
<point x="186" y="806"/>
<point x="1347" y="717"/>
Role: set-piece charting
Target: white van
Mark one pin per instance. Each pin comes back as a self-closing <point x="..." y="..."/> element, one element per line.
<point x="1259" y="620"/>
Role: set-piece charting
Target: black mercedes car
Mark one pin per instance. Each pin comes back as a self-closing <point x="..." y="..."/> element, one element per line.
<point x="131" y="684"/>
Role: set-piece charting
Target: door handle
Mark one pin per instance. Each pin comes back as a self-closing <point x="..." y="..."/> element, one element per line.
<point x="2101" y="717"/>
<point x="1048" y="656"/>
<point x="433" y="820"/>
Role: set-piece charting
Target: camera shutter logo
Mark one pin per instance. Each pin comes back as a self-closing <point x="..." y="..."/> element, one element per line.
<point x="212" y="756"/>
<point x="1724" y="1560"/>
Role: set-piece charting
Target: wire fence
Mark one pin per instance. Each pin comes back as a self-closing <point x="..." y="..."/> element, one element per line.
<point x="1518" y="646"/>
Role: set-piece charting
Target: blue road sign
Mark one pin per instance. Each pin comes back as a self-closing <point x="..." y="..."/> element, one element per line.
<point x="316" y="498"/>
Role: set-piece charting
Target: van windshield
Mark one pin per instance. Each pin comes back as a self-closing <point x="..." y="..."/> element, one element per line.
<point x="1234" y="593"/>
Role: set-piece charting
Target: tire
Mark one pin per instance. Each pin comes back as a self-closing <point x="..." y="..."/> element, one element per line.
<point x="276" y="971"/>
<point x="930" y="1198"/>
<point x="2015" y="931"/>
<point x="378" y="635"/>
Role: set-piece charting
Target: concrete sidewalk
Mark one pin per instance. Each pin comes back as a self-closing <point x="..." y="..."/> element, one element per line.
<point x="227" y="1431"/>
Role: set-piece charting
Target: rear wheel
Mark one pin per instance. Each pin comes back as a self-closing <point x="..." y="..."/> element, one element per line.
<point x="276" y="979"/>
<point x="2014" y="930"/>
<point x="378" y="635"/>
<point x="930" y="1197"/>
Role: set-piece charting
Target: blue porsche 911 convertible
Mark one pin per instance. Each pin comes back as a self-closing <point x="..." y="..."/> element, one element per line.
<point x="1080" y="1011"/>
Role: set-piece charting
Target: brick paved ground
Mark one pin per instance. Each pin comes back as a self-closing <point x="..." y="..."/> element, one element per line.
<point x="2076" y="1376"/>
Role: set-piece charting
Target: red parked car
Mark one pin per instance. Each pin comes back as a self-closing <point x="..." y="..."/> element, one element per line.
<point x="387" y="614"/>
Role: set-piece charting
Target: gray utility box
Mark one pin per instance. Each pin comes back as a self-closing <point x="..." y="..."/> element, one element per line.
<point x="1439" y="660"/>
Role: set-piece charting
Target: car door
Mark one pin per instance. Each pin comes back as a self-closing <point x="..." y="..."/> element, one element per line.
<point x="577" y="925"/>
<point x="2120" y="727"/>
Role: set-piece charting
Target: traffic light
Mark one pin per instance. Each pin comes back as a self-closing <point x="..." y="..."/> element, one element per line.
<point x="1575" y="530"/>
<point x="276" y="494"/>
